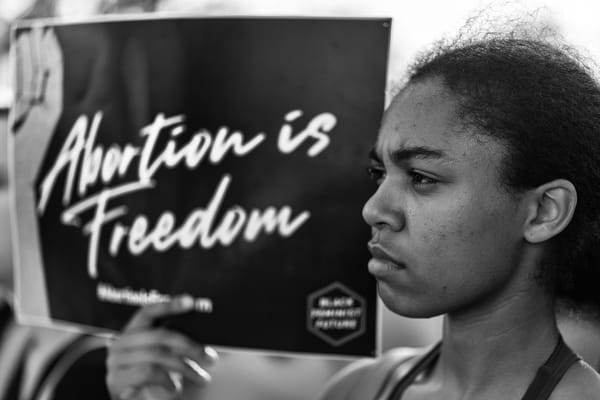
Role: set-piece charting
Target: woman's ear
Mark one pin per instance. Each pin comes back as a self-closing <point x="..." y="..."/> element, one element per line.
<point x="550" y="209"/>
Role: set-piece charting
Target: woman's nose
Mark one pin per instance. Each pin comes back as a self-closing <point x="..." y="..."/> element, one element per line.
<point x="383" y="210"/>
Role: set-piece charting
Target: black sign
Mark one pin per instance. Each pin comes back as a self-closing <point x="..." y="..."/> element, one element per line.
<point x="220" y="158"/>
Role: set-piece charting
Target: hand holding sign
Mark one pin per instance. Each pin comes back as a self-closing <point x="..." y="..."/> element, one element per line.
<point x="149" y="362"/>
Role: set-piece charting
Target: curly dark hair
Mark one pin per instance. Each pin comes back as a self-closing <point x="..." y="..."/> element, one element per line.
<point x="542" y="101"/>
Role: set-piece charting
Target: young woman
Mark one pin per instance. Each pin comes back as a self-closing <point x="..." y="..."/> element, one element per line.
<point x="487" y="211"/>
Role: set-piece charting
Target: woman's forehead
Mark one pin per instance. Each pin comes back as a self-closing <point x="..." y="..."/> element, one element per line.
<point x="424" y="116"/>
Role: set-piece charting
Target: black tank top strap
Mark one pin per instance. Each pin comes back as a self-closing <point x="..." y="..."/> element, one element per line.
<point x="546" y="379"/>
<point x="549" y="374"/>
<point x="407" y="378"/>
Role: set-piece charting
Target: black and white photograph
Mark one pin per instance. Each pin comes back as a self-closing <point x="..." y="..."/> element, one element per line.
<point x="329" y="200"/>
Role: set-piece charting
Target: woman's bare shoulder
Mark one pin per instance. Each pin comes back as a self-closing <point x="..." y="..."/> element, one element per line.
<point x="580" y="382"/>
<point x="360" y="375"/>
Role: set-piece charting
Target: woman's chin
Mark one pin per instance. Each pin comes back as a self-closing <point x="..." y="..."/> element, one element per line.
<point x="405" y="305"/>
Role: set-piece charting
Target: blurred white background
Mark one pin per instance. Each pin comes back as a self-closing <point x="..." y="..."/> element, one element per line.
<point x="415" y="23"/>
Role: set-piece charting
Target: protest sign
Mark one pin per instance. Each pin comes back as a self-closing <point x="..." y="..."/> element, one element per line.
<point x="219" y="158"/>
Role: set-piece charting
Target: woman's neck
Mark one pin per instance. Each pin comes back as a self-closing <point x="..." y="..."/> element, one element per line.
<point x="502" y="342"/>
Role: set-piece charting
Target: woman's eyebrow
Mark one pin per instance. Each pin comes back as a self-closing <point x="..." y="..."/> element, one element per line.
<point x="408" y="153"/>
<point x="420" y="152"/>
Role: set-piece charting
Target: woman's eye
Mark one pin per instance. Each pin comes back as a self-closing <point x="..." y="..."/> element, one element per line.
<point x="420" y="179"/>
<point x="376" y="174"/>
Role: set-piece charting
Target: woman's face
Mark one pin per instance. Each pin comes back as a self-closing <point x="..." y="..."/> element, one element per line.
<point x="445" y="235"/>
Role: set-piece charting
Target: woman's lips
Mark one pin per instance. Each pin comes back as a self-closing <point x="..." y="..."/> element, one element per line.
<point x="382" y="263"/>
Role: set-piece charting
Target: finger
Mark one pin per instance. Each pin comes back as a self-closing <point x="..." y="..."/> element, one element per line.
<point x="146" y="316"/>
<point x="187" y="366"/>
<point x="211" y="355"/>
<point x="24" y="84"/>
<point x="201" y="372"/>
<point x="52" y="58"/>
<point x="163" y="340"/>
